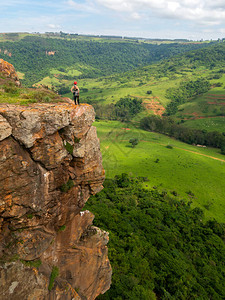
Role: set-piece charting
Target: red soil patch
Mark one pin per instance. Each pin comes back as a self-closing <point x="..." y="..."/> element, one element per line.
<point x="215" y="98"/>
<point x="155" y="106"/>
<point x="152" y="104"/>
<point x="215" y="95"/>
<point x="222" y="103"/>
<point x="203" y="117"/>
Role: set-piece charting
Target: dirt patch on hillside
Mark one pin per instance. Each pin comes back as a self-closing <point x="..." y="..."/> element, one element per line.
<point x="215" y="97"/>
<point x="221" y="103"/>
<point x="202" y="117"/>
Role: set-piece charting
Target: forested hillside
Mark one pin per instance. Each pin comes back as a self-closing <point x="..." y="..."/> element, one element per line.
<point x="36" y="56"/>
<point x="159" y="247"/>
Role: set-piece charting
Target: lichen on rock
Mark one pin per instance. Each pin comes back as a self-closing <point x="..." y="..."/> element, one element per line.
<point x="44" y="186"/>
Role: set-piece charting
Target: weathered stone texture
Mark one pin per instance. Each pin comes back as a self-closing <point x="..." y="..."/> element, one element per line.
<point x="5" y="128"/>
<point x="20" y="282"/>
<point x="9" y="71"/>
<point x="50" y="164"/>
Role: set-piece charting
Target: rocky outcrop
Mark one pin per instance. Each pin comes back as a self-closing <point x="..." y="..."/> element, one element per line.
<point x="50" y="164"/>
<point x="7" y="70"/>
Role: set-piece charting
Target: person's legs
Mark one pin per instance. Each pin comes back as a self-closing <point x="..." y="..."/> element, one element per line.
<point x="78" y="101"/>
<point x="74" y="98"/>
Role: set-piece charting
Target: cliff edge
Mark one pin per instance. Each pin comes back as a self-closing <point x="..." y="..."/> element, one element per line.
<point x="50" y="164"/>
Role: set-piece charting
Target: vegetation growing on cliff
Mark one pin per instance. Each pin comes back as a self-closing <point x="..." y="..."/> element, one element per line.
<point x="54" y="274"/>
<point x="11" y="93"/>
<point x="158" y="243"/>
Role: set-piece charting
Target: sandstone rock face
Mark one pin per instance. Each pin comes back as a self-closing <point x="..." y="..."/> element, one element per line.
<point x="50" y="164"/>
<point x="8" y="70"/>
<point x="5" y="128"/>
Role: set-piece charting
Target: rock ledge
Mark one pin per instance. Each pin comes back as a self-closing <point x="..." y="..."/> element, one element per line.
<point x="50" y="164"/>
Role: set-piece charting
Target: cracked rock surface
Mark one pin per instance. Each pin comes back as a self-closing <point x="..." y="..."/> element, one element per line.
<point x="50" y="164"/>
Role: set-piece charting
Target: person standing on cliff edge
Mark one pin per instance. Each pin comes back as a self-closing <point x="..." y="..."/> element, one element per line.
<point x="75" y="90"/>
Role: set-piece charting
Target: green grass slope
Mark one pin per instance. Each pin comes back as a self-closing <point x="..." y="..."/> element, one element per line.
<point x="209" y="124"/>
<point x="190" y="172"/>
<point x="11" y="93"/>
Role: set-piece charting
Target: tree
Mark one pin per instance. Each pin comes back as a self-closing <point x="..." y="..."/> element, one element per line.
<point x="223" y="148"/>
<point x="133" y="142"/>
<point x="126" y="108"/>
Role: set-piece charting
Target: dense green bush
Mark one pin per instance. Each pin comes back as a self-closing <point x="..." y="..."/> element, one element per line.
<point x="124" y="110"/>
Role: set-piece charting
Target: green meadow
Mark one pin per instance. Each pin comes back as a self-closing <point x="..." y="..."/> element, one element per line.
<point x="184" y="171"/>
<point x="209" y="124"/>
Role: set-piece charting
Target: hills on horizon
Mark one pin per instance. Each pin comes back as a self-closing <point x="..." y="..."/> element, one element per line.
<point x="61" y="34"/>
<point x="84" y="58"/>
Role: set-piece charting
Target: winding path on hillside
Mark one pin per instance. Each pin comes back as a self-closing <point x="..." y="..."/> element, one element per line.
<point x="213" y="157"/>
<point x="191" y="151"/>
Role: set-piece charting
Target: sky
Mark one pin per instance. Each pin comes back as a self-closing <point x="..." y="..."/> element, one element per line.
<point x="164" y="19"/>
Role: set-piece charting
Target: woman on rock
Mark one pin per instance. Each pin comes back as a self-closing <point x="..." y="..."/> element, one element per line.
<point x="75" y="90"/>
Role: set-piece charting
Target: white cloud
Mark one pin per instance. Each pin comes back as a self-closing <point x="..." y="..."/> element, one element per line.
<point x="87" y="6"/>
<point x="222" y="30"/>
<point x="135" y="15"/>
<point x="206" y="12"/>
<point x="54" y="26"/>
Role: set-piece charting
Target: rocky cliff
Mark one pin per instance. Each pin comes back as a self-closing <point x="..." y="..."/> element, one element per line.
<point x="50" y="164"/>
<point x="7" y="70"/>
